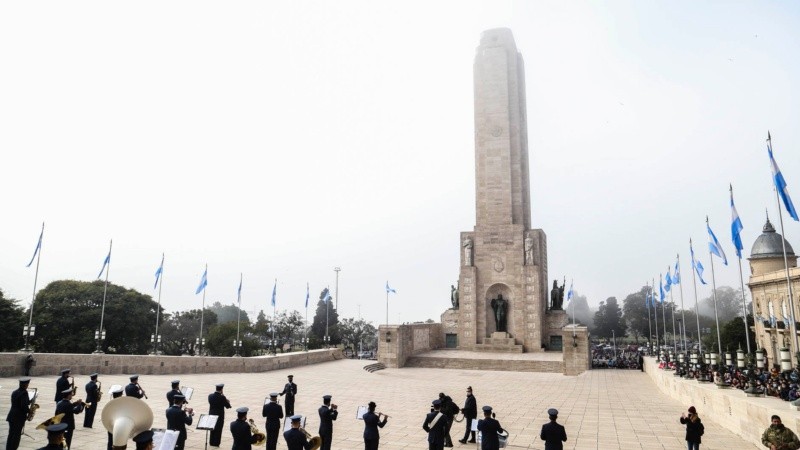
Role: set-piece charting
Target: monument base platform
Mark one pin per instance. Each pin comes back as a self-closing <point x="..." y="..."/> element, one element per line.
<point x="481" y="360"/>
<point x="499" y="342"/>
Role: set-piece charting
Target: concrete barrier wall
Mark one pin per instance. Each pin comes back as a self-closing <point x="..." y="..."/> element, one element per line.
<point x="12" y="364"/>
<point x="745" y="416"/>
<point x="397" y="343"/>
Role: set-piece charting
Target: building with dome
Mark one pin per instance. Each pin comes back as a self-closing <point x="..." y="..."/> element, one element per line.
<point x="770" y="293"/>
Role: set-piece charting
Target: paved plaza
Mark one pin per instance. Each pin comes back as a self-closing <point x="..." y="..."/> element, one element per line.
<point x="601" y="409"/>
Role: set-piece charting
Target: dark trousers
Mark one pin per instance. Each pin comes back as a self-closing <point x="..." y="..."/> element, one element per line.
<point x="448" y="441"/>
<point x="14" y="434"/>
<point x="288" y="407"/>
<point x="88" y="416"/>
<point x="371" y="444"/>
<point x="215" y="436"/>
<point x="68" y="438"/>
<point x="110" y="444"/>
<point x="272" y="438"/>
<point x="435" y="446"/>
<point x="468" y="432"/>
<point x="326" y="440"/>
<point x="180" y="444"/>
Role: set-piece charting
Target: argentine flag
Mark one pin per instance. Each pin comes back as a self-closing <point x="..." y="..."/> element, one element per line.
<point x="780" y="183"/>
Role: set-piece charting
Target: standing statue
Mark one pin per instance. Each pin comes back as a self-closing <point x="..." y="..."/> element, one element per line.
<point x="499" y="305"/>
<point x="467" y="244"/>
<point x="528" y="250"/>
<point x="556" y="296"/>
<point x="454" y="296"/>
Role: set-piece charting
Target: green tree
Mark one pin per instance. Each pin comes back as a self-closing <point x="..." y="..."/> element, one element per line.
<point x="181" y="330"/>
<point x="68" y="312"/>
<point x="634" y="313"/>
<point x="733" y="335"/>
<point x="318" y="326"/>
<point x="228" y="313"/>
<point x="729" y="304"/>
<point x="220" y="340"/>
<point x="289" y="327"/>
<point x="357" y="333"/>
<point x="583" y="314"/>
<point x="12" y="320"/>
<point x="608" y="319"/>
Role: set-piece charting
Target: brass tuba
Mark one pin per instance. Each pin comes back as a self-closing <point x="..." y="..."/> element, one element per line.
<point x="51" y="421"/>
<point x="315" y="441"/>
<point x="257" y="434"/>
<point x="124" y="418"/>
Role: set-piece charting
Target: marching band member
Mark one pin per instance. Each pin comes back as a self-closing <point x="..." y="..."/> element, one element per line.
<point x="116" y="392"/>
<point x="434" y="425"/>
<point x="69" y="409"/>
<point x="133" y="389"/>
<point x="18" y="413"/>
<point x="296" y="439"/>
<point x="92" y="397"/>
<point x="243" y="438"/>
<point x="489" y="428"/>
<point x="62" y="384"/>
<point x="327" y="414"/>
<point x="371" y="424"/>
<point x="290" y="389"/>
<point x="217" y="403"/>
<point x="177" y="419"/>
<point x="144" y="440"/>
<point x="175" y="390"/>
<point x="55" y="437"/>
<point x="274" y="413"/>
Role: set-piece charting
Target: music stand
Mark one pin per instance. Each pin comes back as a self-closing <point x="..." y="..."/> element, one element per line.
<point x="207" y="422"/>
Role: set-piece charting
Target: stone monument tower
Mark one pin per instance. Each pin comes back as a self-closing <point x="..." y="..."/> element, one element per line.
<point x="502" y="288"/>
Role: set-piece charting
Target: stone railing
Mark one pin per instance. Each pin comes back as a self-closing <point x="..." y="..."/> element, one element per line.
<point x="12" y="364"/>
<point x="397" y="343"/>
<point x="745" y="416"/>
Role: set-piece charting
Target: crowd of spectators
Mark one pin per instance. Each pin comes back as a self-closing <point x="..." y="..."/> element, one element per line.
<point x="609" y="357"/>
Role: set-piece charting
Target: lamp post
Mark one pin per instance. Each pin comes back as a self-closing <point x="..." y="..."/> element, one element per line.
<point x="337" y="269"/>
<point x="28" y="331"/>
<point x="304" y="340"/>
<point x="237" y="346"/>
<point x="199" y="343"/>
<point x="156" y="341"/>
<point x="327" y="340"/>
<point x="99" y="336"/>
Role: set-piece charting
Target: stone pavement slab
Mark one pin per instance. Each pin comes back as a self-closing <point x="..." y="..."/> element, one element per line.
<point x="601" y="409"/>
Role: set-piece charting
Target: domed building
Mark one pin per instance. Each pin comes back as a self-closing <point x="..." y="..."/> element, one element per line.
<point x="769" y="291"/>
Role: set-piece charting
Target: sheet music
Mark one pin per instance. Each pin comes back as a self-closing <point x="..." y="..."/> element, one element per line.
<point x="207" y="422"/>
<point x="474" y="425"/>
<point x="32" y="395"/>
<point x="287" y="424"/>
<point x="187" y="392"/>
<point x="164" y="439"/>
<point x="114" y="388"/>
<point x="360" y="412"/>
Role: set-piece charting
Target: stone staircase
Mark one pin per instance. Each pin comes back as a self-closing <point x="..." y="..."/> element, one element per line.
<point x="521" y="365"/>
<point x="499" y="342"/>
<point x="374" y="367"/>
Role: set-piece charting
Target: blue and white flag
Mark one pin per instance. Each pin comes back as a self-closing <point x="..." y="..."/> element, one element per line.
<point x="203" y="282"/>
<point x="239" y="291"/>
<point x="736" y="228"/>
<point x="713" y="245"/>
<point x="668" y="279"/>
<point x="697" y="266"/>
<point x="388" y="289"/>
<point x="38" y="246"/>
<point x="106" y="262"/>
<point x="159" y="271"/>
<point x="647" y="300"/>
<point x="676" y="277"/>
<point x="661" y="288"/>
<point x="307" y="295"/>
<point x="274" y="289"/>
<point x="780" y="183"/>
<point x="569" y="292"/>
<point x="327" y="296"/>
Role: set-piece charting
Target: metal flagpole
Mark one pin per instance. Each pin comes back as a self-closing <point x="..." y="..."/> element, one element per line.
<point x="696" y="310"/>
<point x="239" y="316"/>
<point x="305" y="331"/>
<point x="274" y="317"/>
<point x="683" y="315"/>
<point x="103" y="309"/>
<point x="158" y="308"/>
<point x="327" y="308"/>
<point x="655" y="313"/>
<point x="663" y="312"/>
<point x="714" y="291"/>
<point x="33" y="297"/>
<point x="672" y="311"/>
<point x="741" y="277"/>
<point x="202" y="313"/>
<point x="649" y="325"/>
<point x="387" y="307"/>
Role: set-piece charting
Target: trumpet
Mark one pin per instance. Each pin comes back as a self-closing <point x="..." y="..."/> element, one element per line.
<point x="141" y="390"/>
<point x="257" y="435"/>
<point x="315" y="441"/>
<point x="382" y="414"/>
<point x="189" y="411"/>
<point x="33" y="405"/>
<point x="334" y="406"/>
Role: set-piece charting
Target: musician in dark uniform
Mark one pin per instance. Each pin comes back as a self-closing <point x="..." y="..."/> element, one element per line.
<point x="133" y="389"/>
<point x="240" y="429"/>
<point x="553" y="434"/>
<point x="290" y="389"/>
<point x="69" y="409"/>
<point x="62" y="384"/>
<point x="144" y="440"/>
<point x="371" y="424"/>
<point x="175" y="390"/>
<point x="92" y="397"/>
<point x="274" y="413"/>
<point x="177" y="419"/>
<point x="18" y="413"/>
<point x="434" y="425"/>
<point x="296" y="439"/>
<point x="489" y="428"/>
<point x="449" y="409"/>
<point x="470" y="411"/>
<point x="116" y="392"/>
<point x="217" y="403"/>
<point x="327" y="414"/>
<point x="55" y="435"/>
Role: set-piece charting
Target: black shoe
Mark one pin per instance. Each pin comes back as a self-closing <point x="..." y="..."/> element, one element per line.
<point x="463" y="441"/>
<point x="471" y="441"/>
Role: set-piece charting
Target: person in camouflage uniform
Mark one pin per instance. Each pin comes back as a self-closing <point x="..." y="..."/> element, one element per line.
<point x="778" y="437"/>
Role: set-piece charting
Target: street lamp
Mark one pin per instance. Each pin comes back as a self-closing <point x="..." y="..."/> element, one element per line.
<point x="28" y="331"/>
<point x="304" y="341"/>
<point x="237" y="345"/>
<point x="200" y="343"/>
<point x="337" y="269"/>
<point x="99" y="336"/>
<point x="327" y="340"/>
<point x="156" y="341"/>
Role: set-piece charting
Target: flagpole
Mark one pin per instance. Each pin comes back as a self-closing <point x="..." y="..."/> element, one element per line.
<point x="696" y="309"/>
<point x="274" y="317"/>
<point x="649" y="325"/>
<point x="305" y="327"/>
<point x="33" y="297"/>
<point x="672" y="310"/>
<point x="663" y="311"/>
<point x="683" y="314"/>
<point x="158" y="308"/>
<point x="737" y="244"/>
<point x="786" y="266"/>
<point x="387" y="305"/>
<point x="239" y="316"/>
<point x="103" y="309"/>
<point x="714" y="290"/>
<point x="655" y="313"/>
<point x="573" y="307"/>
<point x="203" y="313"/>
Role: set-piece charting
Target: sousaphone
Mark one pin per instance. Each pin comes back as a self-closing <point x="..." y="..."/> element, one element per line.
<point x="124" y="418"/>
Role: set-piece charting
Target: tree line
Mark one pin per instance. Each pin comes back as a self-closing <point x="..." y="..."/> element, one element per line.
<point x="66" y="314"/>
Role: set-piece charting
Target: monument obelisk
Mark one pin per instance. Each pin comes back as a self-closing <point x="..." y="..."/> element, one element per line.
<point x="503" y="276"/>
